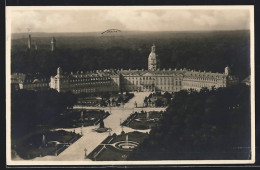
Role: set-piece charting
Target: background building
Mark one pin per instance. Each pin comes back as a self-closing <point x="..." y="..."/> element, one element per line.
<point x="85" y="82"/>
<point x="29" y="81"/>
<point x="152" y="79"/>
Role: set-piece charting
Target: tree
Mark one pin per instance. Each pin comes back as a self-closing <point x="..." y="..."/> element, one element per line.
<point x="120" y="99"/>
<point x="29" y="109"/>
<point x="168" y="96"/>
<point x="113" y="101"/>
<point x="105" y="95"/>
<point x="103" y="103"/>
<point x="201" y="125"/>
<point x="159" y="102"/>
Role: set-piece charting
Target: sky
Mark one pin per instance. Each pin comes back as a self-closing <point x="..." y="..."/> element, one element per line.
<point x="128" y="19"/>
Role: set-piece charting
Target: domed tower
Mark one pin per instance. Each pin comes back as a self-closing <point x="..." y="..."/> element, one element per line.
<point x="58" y="79"/>
<point x="53" y="44"/>
<point x="227" y="70"/>
<point x="152" y="60"/>
<point x="231" y="79"/>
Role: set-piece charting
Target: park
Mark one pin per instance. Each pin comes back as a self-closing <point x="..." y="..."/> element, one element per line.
<point x="93" y="133"/>
<point x="83" y="121"/>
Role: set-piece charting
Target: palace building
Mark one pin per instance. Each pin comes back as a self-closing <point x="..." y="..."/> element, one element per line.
<point x="29" y="82"/>
<point x="80" y="82"/>
<point x="152" y="79"/>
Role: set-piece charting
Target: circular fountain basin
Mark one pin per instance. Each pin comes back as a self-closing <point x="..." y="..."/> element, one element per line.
<point x="126" y="145"/>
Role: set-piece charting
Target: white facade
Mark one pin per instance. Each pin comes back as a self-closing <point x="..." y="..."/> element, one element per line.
<point x="153" y="60"/>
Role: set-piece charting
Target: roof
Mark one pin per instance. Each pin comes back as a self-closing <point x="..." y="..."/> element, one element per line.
<point x="17" y="77"/>
<point x="29" y="78"/>
<point x="151" y="72"/>
<point x="89" y="74"/>
<point x="204" y="74"/>
<point x="132" y="72"/>
<point x="164" y="72"/>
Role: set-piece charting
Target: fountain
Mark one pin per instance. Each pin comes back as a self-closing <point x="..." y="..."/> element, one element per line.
<point x="126" y="145"/>
<point x="126" y="140"/>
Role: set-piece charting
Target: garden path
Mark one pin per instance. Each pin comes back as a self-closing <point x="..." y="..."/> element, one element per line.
<point x="91" y="139"/>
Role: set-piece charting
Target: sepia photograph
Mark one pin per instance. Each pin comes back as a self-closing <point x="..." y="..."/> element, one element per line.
<point x="130" y="85"/>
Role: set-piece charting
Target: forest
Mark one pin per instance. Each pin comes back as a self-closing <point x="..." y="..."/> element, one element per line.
<point x="207" y="125"/>
<point x="209" y="51"/>
<point x="31" y="110"/>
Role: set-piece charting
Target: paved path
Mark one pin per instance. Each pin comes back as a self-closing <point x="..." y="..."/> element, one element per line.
<point x="90" y="139"/>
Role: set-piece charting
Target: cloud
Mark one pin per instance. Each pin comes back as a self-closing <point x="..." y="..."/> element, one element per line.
<point x="129" y="19"/>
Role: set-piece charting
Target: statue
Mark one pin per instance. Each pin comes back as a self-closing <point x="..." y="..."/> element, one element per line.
<point x="101" y="125"/>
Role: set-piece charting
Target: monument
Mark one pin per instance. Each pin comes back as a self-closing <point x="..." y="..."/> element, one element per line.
<point x="81" y="116"/>
<point x="147" y="115"/>
<point x="102" y="127"/>
<point x="101" y="124"/>
<point x="43" y="140"/>
<point x="135" y="104"/>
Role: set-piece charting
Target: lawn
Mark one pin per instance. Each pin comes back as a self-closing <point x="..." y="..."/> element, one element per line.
<point x="72" y="118"/>
<point x="140" y="121"/>
<point x="107" y="152"/>
<point x="34" y="145"/>
<point x="111" y="154"/>
<point x="132" y="136"/>
<point x="158" y="99"/>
